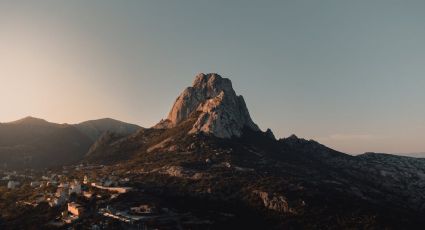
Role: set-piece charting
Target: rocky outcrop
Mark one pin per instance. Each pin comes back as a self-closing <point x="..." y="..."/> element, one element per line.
<point x="269" y="133"/>
<point x="103" y="141"/>
<point x="276" y="203"/>
<point x="222" y="113"/>
<point x="404" y="176"/>
<point x="180" y="172"/>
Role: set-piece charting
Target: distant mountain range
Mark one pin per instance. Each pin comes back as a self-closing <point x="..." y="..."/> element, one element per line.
<point x="34" y="142"/>
<point x="417" y="155"/>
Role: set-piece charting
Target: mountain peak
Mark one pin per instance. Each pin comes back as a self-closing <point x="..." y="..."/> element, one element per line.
<point x="30" y="121"/>
<point x="222" y="113"/>
<point x="213" y="84"/>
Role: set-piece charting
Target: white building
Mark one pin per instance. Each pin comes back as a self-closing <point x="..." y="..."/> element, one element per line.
<point x="6" y="177"/>
<point x="75" y="187"/>
<point x="57" y="201"/>
<point x="13" y="184"/>
<point x="62" y="193"/>
<point x="35" y="184"/>
<point x="108" y="183"/>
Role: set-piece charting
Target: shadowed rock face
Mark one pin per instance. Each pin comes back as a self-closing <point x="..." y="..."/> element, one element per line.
<point x="222" y="113"/>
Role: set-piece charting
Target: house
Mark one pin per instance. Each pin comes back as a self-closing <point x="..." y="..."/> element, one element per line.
<point x="35" y="184"/>
<point x="6" y="177"/>
<point x="124" y="180"/>
<point x="13" y="184"/>
<point x="108" y="183"/>
<point x="75" y="209"/>
<point x="57" y="201"/>
<point x="75" y="187"/>
<point x="61" y="192"/>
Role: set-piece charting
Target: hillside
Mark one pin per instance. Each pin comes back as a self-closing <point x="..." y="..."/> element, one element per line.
<point x="33" y="142"/>
<point x="290" y="183"/>
<point x="95" y="128"/>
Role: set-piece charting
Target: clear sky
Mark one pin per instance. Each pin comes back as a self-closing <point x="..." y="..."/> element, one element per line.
<point x="350" y="74"/>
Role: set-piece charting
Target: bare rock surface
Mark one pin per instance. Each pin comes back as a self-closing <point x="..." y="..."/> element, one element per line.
<point x="222" y="113"/>
<point x="273" y="202"/>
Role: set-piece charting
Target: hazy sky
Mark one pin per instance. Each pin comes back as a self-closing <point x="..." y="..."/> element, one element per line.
<point x="350" y="74"/>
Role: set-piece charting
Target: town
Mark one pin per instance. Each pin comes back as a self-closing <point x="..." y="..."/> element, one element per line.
<point x="75" y="195"/>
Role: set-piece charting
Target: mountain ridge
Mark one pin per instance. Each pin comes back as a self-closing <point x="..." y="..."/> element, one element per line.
<point x="95" y="128"/>
<point x="34" y="142"/>
<point x="29" y="120"/>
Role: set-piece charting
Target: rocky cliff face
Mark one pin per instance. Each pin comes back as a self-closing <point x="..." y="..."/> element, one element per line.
<point x="222" y="113"/>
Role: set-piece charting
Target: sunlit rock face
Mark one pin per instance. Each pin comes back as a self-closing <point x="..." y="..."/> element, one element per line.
<point x="222" y="113"/>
